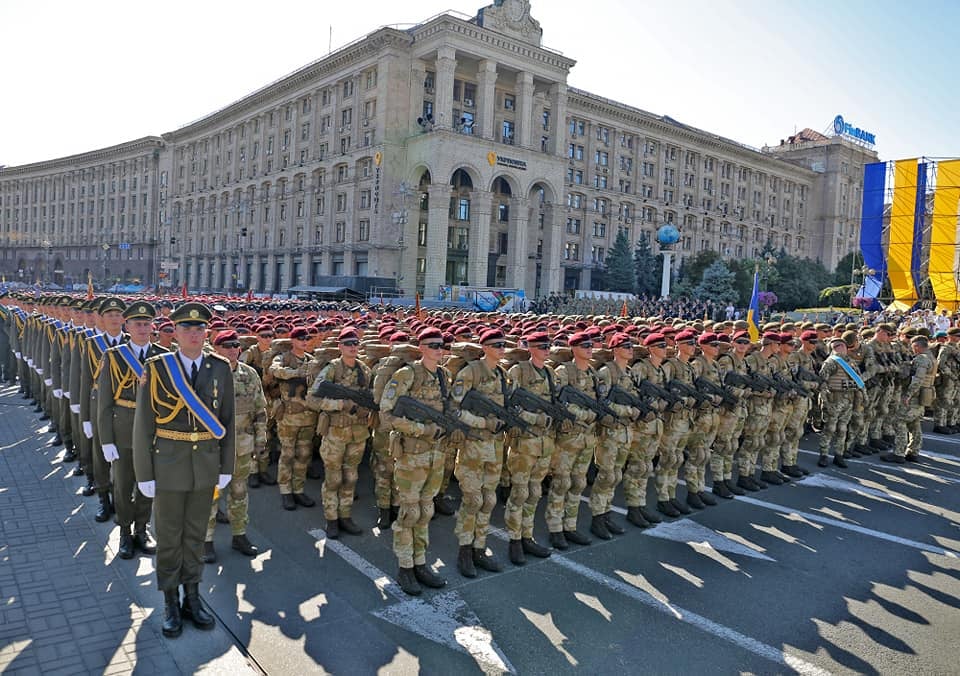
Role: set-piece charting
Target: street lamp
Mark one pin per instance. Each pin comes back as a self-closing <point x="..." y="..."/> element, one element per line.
<point x="48" y="249"/>
<point x="862" y="272"/>
<point x="106" y="248"/>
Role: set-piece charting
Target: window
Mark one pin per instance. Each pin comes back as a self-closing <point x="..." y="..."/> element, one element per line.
<point x="320" y="206"/>
<point x="347" y="89"/>
<point x="340" y="231"/>
<point x="462" y="212"/>
<point x="341" y="201"/>
<point x="421" y="234"/>
<point x="601" y="158"/>
<point x="364" y="233"/>
<point x="600" y="181"/>
<point x="509" y="102"/>
<point x="574" y="200"/>
<point x="573" y="226"/>
<point x="507" y="132"/>
<point x="370" y="79"/>
<point x="305" y="131"/>
<point x="603" y="134"/>
<point x="597" y="255"/>
<point x="571" y="251"/>
<point x="429" y="80"/>
<point x="469" y="94"/>
<point x="364" y="199"/>
<point x="503" y="213"/>
<point x="599" y="229"/>
<point x="346" y="116"/>
<point x="369" y="110"/>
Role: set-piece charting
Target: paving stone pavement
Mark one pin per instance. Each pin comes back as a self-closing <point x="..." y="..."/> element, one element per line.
<point x="68" y="604"/>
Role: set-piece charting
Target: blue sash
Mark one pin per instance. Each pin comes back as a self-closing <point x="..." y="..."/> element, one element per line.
<point x="101" y="342"/>
<point x="179" y="379"/>
<point x="131" y="359"/>
<point x="849" y="369"/>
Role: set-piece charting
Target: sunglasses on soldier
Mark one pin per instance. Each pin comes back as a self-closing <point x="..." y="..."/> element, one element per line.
<point x="433" y="346"/>
<point x="230" y="344"/>
<point x="349" y="343"/>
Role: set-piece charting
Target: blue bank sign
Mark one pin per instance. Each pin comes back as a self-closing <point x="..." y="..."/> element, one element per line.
<point x="843" y="128"/>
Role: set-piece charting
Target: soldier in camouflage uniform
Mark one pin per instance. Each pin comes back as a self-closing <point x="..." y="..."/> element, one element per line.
<point x="295" y="369"/>
<point x="837" y="393"/>
<point x="347" y="431"/>
<point x="880" y="346"/>
<point x="479" y="460"/>
<point x="646" y="438"/>
<point x="250" y="415"/>
<point x="418" y="456"/>
<point x="801" y="365"/>
<point x="758" y="416"/>
<point x="861" y="357"/>
<point x="730" y="359"/>
<point x="706" y="423"/>
<point x="676" y="427"/>
<point x="529" y="455"/>
<point x="260" y="357"/>
<point x="948" y="372"/>
<point x="782" y="409"/>
<point x="918" y="395"/>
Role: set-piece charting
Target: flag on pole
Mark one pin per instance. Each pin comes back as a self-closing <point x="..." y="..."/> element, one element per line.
<point x="89" y="286"/>
<point x="624" y="312"/>
<point x="183" y="291"/>
<point x="753" y="312"/>
<point x="417" y="310"/>
<point x="249" y="295"/>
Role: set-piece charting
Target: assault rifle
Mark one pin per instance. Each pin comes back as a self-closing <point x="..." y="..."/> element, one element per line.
<point x="408" y="407"/>
<point x="571" y="395"/>
<point x="791" y="385"/>
<point x="685" y="390"/>
<point x="741" y="380"/>
<point x="618" y="395"/>
<point x="650" y="389"/>
<point x="482" y="405"/>
<point x="808" y="376"/>
<point x="712" y="388"/>
<point x="325" y="389"/>
<point x="532" y="403"/>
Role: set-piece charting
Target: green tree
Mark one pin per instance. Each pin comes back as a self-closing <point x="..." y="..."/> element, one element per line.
<point x="743" y="280"/>
<point x="717" y="284"/>
<point x="692" y="269"/>
<point x="621" y="272"/>
<point x="798" y="282"/>
<point x="844" y="271"/>
<point x="648" y="268"/>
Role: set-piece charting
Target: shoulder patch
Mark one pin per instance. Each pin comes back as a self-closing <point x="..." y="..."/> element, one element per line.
<point x="458" y="388"/>
<point x="391" y="390"/>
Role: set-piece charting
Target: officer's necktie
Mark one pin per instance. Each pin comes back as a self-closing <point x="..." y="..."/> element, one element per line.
<point x="193" y="374"/>
<point x="143" y="355"/>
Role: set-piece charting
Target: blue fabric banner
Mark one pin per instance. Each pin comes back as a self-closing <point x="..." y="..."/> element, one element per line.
<point x="919" y="214"/>
<point x="871" y="226"/>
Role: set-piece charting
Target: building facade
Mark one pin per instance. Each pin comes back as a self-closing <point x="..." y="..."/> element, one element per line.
<point x="450" y="153"/>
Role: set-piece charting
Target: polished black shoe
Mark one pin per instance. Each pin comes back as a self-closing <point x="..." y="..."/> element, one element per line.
<point x="733" y="487"/>
<point x="854" y="453"/>
<point x="557" y="541"/>
<point x="348" y="526"/>
<point x="913" y="457"/>
<point x="889" y="440"/>
<point x="694" y="501"/>
<point x="90" y="488"/>
<point x="125" y="550"/>
<point x="598" y="526"/>
<point x="680" y="507"/>
<point x="70" y="456"/>
<point x="222" y="517"/>
<point x="771" y="478"/>
<point x="383" y="520"/>
<point x="793" y="471"/>
<point x="576" y="537"/>
<point x="840" y="462"/>
<point x="244" y="546"/>
<point x="145" y="543"/>
<point x="103" y="511"/>
<point x="172" y="624"/>
<point x="747" y="483"/>
<point x="515" y="553"/>
<point x="209" y="553"/>
<point x="465" y="561"/>
<point x="267" y="479"/>
<point x="760" y="483"/>
<point x="56" y="441"/>
<point x="333" y="528"/>
<point x="253" y="481"/>
<point x="428" y="578"/>
<point x="636" y="518"/>
<point x="193" y="609"/>
<point x="893" y="457"/>
<point x="667" y="508"/>
<point x="803" y="470"/>
<point x="721" y="491"/>
<point x="707" y="499"/>
<point x="288" y="502"/>
<point x="394" y="513"/>
<point x="443" y="505"/>
<point x="304" y="500"/>
<point x="650" y="516"/>
<point x="612" y="526"/>
<point x="534" y="548"/>
<point x="823" y="461"/>
<point x="878" y="445"/>
<point x="408" y="582"/>
<point x="487" y="562"/>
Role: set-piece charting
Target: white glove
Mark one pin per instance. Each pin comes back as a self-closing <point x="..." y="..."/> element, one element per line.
<point x="148" y="488"/>
<point x="223" y="481"/>
<point x="30" y="362"/>
<point x="110" y="453"/>
<point x="47" y="381"/>
<point x="87" y="428"/>
<point x="19" y="355"/>
<point x="66" y="395"/>
<point x="40" y="372"/>
<point x="58" y="394"/>
<point x="75" y="408"/>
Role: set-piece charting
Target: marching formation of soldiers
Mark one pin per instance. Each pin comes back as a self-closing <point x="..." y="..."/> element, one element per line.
<point x="164" y="407"/>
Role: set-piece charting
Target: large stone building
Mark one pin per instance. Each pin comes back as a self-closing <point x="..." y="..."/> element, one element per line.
<point x="450" y="153"/>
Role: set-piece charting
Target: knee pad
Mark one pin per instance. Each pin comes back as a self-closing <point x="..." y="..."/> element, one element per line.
<point x="472" y="502"/>
<point x="410" y="513"/>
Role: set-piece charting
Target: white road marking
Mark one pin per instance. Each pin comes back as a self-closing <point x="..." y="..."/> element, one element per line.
<point x="816" y="518"/>
<point x="701" y="537"/>
<point x="905" y="469"/>
<point x="444" y="619"/>
<point x="823" y="480"/>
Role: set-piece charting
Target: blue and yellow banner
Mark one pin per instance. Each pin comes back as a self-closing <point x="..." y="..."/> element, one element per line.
<point x="900" y="246"/>
<point x="943" y="236"/>
<point x="753" y="311"/>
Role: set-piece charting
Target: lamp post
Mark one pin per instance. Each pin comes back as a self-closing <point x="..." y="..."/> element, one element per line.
<point x="106" y="248"/>
<point x="48" y="249"/>
<point x="862" y="272"/>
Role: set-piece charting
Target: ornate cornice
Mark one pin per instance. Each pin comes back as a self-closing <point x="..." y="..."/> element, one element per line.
<point x="83" y="160"/>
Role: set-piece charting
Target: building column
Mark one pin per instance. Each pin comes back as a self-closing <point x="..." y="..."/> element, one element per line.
<point x="306" y="269"/>
<point x="443" y="99"/>
<point x="558" y="120"/>
<point x="481" y="207"/>
<point x="255" y="282"/>
<point x="486" y="98"/>
<point x="525" y="108"/>
<point x="517" y="242"/>
<point x="438" y="217"/>
<point x="285" y="282"/>
<point x="408" y="250"/>
<point x="267" y="281"/>
<point x="550" y="271"/>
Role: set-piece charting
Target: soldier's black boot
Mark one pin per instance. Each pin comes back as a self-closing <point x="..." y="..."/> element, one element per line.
<point x="840" y="462"/>
<point x="384" y="520"/>
<point x="209" y="553"/>
<point x="721" y="491"/>
<point x="707" y="499"/>
<point x="347" y="525"/>
<point x="576" y="537"/>
<point x="90" y="488"/>
<point x="486" y="561"/>
<point x="394" y="513"/>
<point x="942" y="429"/>
<point x="636" y="518"/>
<point x="733" y="487"/>
<point x="877" y="445"/>
<point x="890" y="441"/>
<point x="126" y="544"/>
<point x="465" y="561"/>
<point x="143" y="541"/>
<point x="103" y="511"/>
<point x="747" y="483"/>
<point x="793" y="471"/>
<point x="267" y="479"/>
<point x="428" y="578"/>
<point x="680" y="507"/>
<point x="70" y="455"/>
<point x="193" y="609"/>
<point x="333" y="528"/>
<point x="172" y="624"/>
<point x="598" y="526"/>
<point x="244" y="546"/>
<point x="534" y="548"/>
<point x="253" y="481"/>
<point x="823" y="461"/>
<point x="408" y="582"/>
<point x="612" y="526"/>
<point x="893" y="457"/>
<point x="557" y="541"/>
<point x="667" y="508"/>
<point x="771" y="478"/>
<point x="515" y="551"/>
<point x="649" y="516"/>
<point x="288" y="502"/>
<point x="693" y="500"/>
<point x="57" y="440"/>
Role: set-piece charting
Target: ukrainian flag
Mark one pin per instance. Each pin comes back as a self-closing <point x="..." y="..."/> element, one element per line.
<point x="753" y="312"/>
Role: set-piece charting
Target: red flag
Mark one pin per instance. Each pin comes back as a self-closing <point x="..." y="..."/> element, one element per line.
<point x="183" y="291"/>
<point x="89" y="286"/>
<point x="417" y="310"/>
<point x="249" y="295"/>
<point x="623" y="310"/>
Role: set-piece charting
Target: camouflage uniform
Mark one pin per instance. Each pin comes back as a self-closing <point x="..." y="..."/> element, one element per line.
<point x="781" y="410"/>
<point x="793" y="430"/>
<point x="919" y="394"/>
<point x="260" y="362"/>
<point x="345" y="439"/>
<point x="676" y="432"/>
<point x="614" y="442"/>
<point x="755" y="426"/>
<point x="418" y="459"/>
<point x="382" y="461"/>
<point x="703" y="429"/>
<point x="250" y="414"/>
<point x="731" y="421"/>
<point x="836" y="403"/>
<point x="948" y="372"/>
<point x="645" y="442"/>
<point x="298" y="425"/>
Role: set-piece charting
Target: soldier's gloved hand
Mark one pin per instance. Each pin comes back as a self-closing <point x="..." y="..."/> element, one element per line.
<point x="88" y="429"/>
<point x="457" y="437"/>
<point x="148" y="488"/>
<point x="223" y="480"/>
<point x="608" y="421"/>
<point x="493" y="425"/>
<point x="543" y="420"/>
<point x="75" y="408"/>
<point x="344" y="404"/>
<point x="58" y="393"/>
<point x="110" y="453"/>
<point x="431" y="431"/>
<point x="566" y="426"/>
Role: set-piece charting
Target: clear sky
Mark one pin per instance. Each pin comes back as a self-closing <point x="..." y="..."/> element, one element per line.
<point x="83" y="75"/>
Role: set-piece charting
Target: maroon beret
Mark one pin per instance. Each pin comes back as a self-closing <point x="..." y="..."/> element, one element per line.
<point x="786" y="338"/>
<point x="771" y="336"/>
<point x="579" y="338"/>
<point x="300" y="332"/>
<point x="708" y="337"/>
<point x="724" y="338"/>
<point x="742" y="334"/>
<point x="348" y="333"/>
<point x="685" y="335"/>
<point x="399" y="337"/>
<point x="428" y="334"/>
<point x="537" y="337"/>
<point x="491" y="334"/>
<point x="655" y="338"/>
<point x="225" y="336"/>
<point x="808" y="336"/>
<point x="621" y="340"/>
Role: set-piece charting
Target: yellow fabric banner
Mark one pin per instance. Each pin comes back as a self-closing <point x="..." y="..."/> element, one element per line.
<point x="900" y="244"/>
<point x="943" y="236"/>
